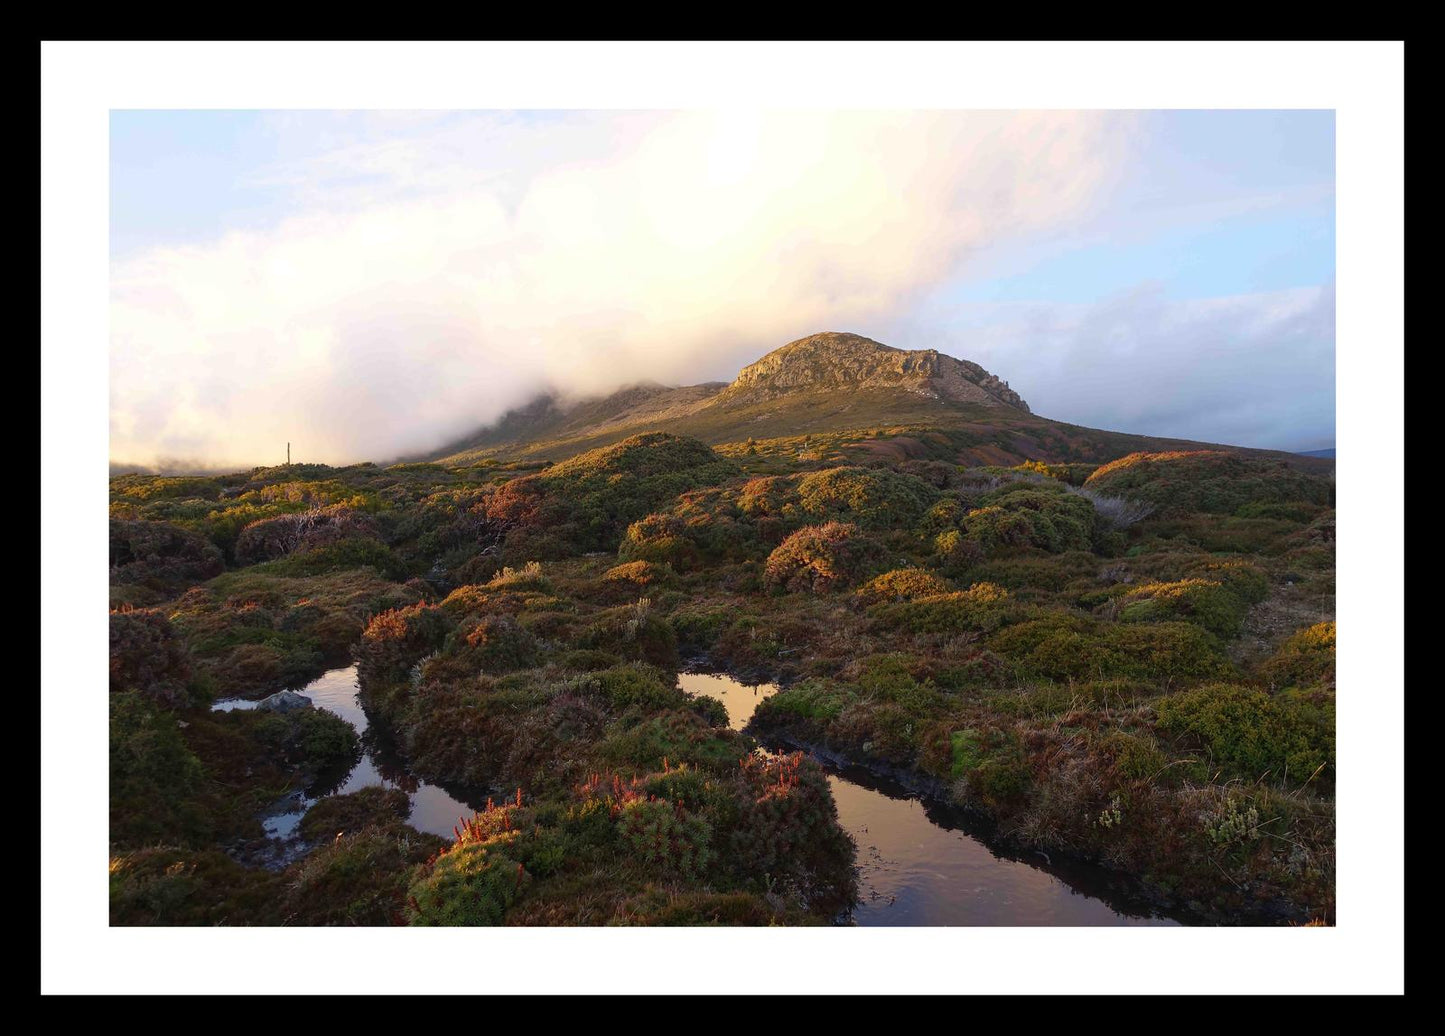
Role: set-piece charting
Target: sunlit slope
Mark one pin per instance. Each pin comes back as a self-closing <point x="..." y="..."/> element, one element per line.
<point x="831" y="394"/>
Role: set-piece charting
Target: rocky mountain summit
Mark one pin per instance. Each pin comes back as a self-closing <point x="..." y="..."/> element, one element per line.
<point x="835" y="361"/>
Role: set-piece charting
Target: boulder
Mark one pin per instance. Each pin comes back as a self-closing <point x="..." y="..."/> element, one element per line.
<point x="284" y="701"/>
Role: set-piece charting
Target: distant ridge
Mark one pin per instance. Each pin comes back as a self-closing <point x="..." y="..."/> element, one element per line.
<point x="1329" y="453"/>
<point x="866" y="396"/>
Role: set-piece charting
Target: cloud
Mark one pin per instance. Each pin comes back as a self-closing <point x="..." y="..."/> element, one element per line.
<point x="437" y="273"/>
<point x="1251" y="370"/>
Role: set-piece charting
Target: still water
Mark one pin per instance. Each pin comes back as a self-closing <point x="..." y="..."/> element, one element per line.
<point x="917" y="864"/>
<point x="433" y="808"/>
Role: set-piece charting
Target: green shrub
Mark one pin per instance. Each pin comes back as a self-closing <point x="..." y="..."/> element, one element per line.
<point x="360" y="877"/>
<point x="1249" y="733"/>
<point x="1134" y="756"/>
<point x="661" y="835"/>
<point x="169" y="887"/>
<point x="1021" y="516"/>
<point x="869" y="498"/>
<point x="1211" y="481"/>
<point x="367" y="807"/>
<point x="1212" y="605"/>
<point x="821" y="700"/>
<point x="314" y="739"/>
<point x="470" y="884"/>
<point x="1306" y="659"/>
<point x="981" y="607"/>
<point x="787" y="831"/>
<point x="155" y="778"/>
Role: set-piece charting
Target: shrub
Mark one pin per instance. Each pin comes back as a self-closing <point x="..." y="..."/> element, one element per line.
<point x="161" y="556"/>
<point x="367" y="807"/>
<point x="1065" y="647"/>
<point x="396" y="640"/>
<point x="901" y="584"/>
<point x="622" y="687"/>
<point x="869" y="498"/>
<point x="1072" y="474"/>
<point x="1306" y="659"/>
<point x="314" y="739"/>
<point x="590" y="499"/>
<point x="662" y="835"/>
<point x="360" y="877"/>
<point x="1133" y="756"/>
<point x="821" y="558"/>
<point x="634" y="632"/>
<point x="956" y="553"/>
<point x="787" y="829"/>
<point x="470" y="884"/>
<point x="1210" y="604"/>
<point x="1249" y="733"/>
<point x="1248" y="581"/>
<point x="171" y="886"/>
<point x="680" y="735"/>
<point x="307" y="530"/>
<point x="497" y="644"/>
<point x="660" y="539"/>
<point x="1020" y="516"/>
<point x="982" y="607"/>
<point x="640" y="574"/>
<point x="147" y="657"/>
<point x="154" y="777"/>
<point x="1212" y="481"/>
<point x="820" y="700"/>
<point x="526" y="577"/>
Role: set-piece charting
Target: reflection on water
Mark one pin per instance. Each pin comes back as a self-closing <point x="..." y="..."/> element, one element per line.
<point x="433" y="808"/>
<point x="738" y="698"/>
<point x="916" y="864"/>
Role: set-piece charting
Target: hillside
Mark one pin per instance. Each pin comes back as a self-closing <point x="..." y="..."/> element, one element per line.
<point x="831" y="394"/>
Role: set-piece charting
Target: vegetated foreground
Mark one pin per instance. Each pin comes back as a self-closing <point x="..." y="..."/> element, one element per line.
<point x="1130" y="663"/>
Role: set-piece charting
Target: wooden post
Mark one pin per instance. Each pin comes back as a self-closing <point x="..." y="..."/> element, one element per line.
<point x="288" y="454"/>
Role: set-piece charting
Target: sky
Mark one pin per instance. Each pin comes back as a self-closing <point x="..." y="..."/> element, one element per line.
<point x="371" y="284"/>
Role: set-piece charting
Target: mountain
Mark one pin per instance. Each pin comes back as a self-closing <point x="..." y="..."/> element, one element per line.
<point x="833" y="393"/>
<point x="1329" y="453"/>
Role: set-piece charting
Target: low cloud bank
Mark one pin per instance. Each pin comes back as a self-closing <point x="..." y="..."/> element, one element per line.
<point x="392" y="317"/>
